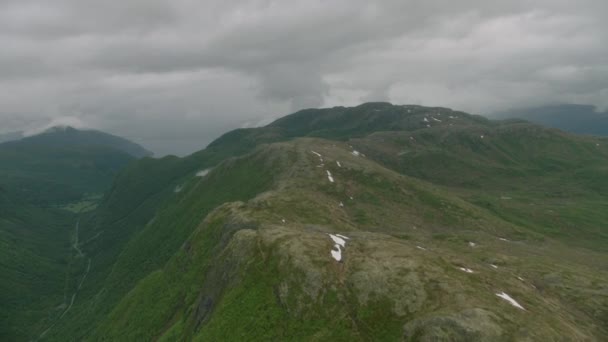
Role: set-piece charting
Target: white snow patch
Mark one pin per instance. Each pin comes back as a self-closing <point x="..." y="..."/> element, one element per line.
<point x="464" y="269"/>
<point x="202" y="173"/>
<point x="493" y="266"/>
<point x="337" y="254"/>
<point x="340" y="242"/>
<point x="421" y="248"/>
<point x="435" y="119"/>
<point x="320" y="165"/>
<point x="341" y="204"/>
<point x="428" y="126"/>
<point x="318" y="154"/>
<point x="481" y="136"/>
<point x="472" y="244"/>
<point x="338" y="163"/>
<point x="331" y="179"/>
<point x="178" y="188"/>
<point x="351" y="198"/>
<point x="425" y="120"/>
<point x="510" y="300"/>
<point x="520" y="278"/>
<point x="356" y="153"/>
<point x="503" y="239"/>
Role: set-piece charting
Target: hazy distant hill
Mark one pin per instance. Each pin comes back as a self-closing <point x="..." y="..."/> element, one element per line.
<point x="4" y="137"/>
<point x="62" y="164"/>
<point x="580" y="119"/>
<point x="66" y="136"/>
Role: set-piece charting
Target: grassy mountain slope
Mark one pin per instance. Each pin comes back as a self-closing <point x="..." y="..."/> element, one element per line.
<point x="244" y="273"/>
<point x="243" y="251"/>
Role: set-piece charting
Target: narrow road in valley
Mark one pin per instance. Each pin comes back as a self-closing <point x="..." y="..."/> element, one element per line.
<point x="79" y="254"/>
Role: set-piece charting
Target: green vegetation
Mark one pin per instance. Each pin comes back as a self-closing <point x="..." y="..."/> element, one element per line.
<point x="442" y="210"/>
<point x="45" y="180"/>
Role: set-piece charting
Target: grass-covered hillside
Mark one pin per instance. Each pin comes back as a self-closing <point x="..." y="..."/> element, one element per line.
<point x="377" y="222"/>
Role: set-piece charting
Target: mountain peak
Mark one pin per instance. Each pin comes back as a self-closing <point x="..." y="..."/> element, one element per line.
<point x="59" y="129"/>
<point x="68" y="136"/>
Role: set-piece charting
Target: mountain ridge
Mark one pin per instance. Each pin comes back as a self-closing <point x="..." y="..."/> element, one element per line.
<point x="446" y="218"/>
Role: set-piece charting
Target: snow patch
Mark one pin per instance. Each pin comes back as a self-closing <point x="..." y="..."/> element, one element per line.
<point x="493" y="266"/>
<point x="178" y="188"/>
<point x="425" y="120"/>
<point x="464" y="269"/>
<point x="331" y="179"/>
<point x="421" y="248"/>
<point x="472" y="244"/>
<point x="342" y="236"/>
<point x="337" y="254"/>
<point x="338" y="163"/>
<point x="203" y="173"/>
<point x="503" y="239"/>
<point x="341" y="204"/>
<point x="510" y="300"/>
<point x="339" y="243"/>
<point x="338" y="240"/>
<point x="318" y="154"/>
<point x="435" y="119"/>
<point x="356" y="153"/>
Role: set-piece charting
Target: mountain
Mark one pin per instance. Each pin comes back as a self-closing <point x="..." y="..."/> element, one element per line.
<point x="63" y="164"/>
<point x="579" y="119"/>
<point x="45" y="181"/>
<point x="377" y="222"/>
<point x="10" y="136"/>
<point x="66" y="136"/>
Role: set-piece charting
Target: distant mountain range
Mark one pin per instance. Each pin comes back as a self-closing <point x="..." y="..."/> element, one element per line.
<point x="579" y="119"/>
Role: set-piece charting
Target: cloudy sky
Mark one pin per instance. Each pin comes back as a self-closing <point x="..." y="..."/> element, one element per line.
<point x="175" y="74"/>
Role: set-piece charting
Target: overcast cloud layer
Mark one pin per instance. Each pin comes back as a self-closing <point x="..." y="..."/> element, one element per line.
<point x="174" y="74"/>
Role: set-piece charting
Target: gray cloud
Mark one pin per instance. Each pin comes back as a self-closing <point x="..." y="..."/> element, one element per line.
<point x="175" y="74"/>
